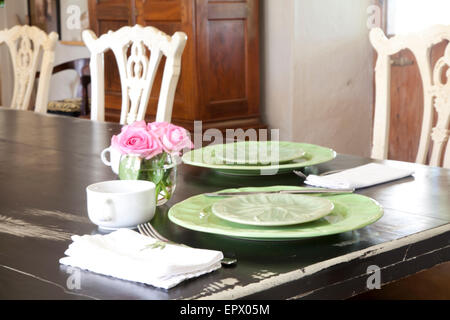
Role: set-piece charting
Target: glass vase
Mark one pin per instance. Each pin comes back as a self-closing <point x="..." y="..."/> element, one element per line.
<point x="161" y="170"/>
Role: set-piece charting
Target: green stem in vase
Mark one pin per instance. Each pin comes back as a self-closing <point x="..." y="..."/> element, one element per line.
<point x="164" y="189"/>
<point x="157" y="191"/>
<point x="134" y="168"/>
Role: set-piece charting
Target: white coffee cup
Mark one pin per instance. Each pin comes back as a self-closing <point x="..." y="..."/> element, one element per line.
<point x="121" y="203"/>
<point x="114" y="156"/>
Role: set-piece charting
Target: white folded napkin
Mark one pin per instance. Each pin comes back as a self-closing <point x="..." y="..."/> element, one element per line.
<point x="128" y="255"/>
<point x="359" y="177"/>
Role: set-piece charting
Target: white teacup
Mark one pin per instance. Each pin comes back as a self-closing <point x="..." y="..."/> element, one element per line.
<point x="121" y="203"/>
<point x="114" y="158"/>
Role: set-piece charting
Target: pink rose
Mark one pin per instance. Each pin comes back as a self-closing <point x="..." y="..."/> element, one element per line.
<point x="175" y="139"/>
<point x="138" y="124"/>
<point x="136" y="139"/>
<point x="158" y="128"/>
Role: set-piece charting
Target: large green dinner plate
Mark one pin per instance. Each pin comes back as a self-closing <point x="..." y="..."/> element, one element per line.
<point x="204" y="157"/>
<point x="351" y="211"/>
<point x="275" y="209"/>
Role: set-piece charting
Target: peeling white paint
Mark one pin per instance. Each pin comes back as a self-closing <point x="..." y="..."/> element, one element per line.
<point x="57" y="214"/>
<point x="263" y="274"/>
<point x="346" y="243"/>
<point x="406" y="253"/>
<point x="265" y="284"/>
<point x="23" y="229"/>
<point x="47" y="281"/>
<point x="357" y="276"/>
<point x="216" y="286"/>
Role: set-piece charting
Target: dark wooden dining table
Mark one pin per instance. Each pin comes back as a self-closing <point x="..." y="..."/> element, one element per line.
<point x="46" y="162"/>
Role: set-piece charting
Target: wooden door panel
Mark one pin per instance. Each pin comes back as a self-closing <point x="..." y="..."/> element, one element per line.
<point x="160" y="10"/>
<point x="232" y="10"/>
<point x="109" y="10"/>
<point x="226" y="60"/>
<point x="227" y="45"/>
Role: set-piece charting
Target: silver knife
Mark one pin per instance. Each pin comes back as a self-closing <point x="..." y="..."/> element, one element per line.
<point x="302" y="191"/>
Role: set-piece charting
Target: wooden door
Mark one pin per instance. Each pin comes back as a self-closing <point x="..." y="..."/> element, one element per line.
<point x="228" y="58"/>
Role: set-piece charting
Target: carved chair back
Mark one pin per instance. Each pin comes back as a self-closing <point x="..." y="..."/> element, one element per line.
<point x="137" y="71"/>
<point x="436" y="92"/>
<point x="25" y="44"/>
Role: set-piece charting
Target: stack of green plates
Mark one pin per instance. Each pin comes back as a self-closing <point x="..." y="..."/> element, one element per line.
<point x="258" y="157"/>
<point x="276" y="216"/>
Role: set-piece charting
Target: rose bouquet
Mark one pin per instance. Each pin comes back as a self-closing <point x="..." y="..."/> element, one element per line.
<point x="151" y="152"/>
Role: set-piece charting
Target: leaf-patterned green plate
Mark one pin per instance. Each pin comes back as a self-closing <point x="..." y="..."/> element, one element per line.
<point x="257" y="152"/>
<point x="204" y="157"/>
<point x="272" y="209"/>
<point x="351" y="212"/>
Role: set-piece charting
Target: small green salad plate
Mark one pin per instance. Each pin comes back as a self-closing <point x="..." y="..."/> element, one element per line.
<point x="350" y="212"/>
<point x="257" y="152"/>
<point x="300" y="155"/>
<point x="272" y="209"/>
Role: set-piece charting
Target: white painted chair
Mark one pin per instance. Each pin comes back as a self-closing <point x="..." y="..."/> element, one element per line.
<point x="436" y="93"/>
<point x="137" y="72"/>
<point x="25" y="44"/>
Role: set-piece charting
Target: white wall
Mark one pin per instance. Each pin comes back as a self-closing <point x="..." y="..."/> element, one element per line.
<point x="277" y="60"/>
<point x="317" y="73"/>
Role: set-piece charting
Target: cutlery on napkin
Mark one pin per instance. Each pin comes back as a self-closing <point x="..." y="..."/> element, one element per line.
<point x="359" y="177"/>
<point x="128" y="255"/>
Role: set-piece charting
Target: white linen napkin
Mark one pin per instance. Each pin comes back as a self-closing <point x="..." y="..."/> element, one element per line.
<point x="128" y="255"/>
<point x="359" y="177"/>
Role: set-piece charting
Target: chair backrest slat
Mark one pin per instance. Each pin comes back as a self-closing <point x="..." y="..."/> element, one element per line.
<point x="436" y="93"/>
<point x="25" y="44"/>
<point x="137" y="72"/>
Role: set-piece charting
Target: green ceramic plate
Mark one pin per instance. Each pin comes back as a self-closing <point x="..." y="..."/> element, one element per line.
<point x="272" y="209"/>
<point x="351" y="212"/>
<point x="257" y="152"/>
<point x="204" y="157"/>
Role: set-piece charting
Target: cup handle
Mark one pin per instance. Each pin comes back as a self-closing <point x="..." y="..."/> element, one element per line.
<point x="103" y="156"/>
<point x="107" y="212"/>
